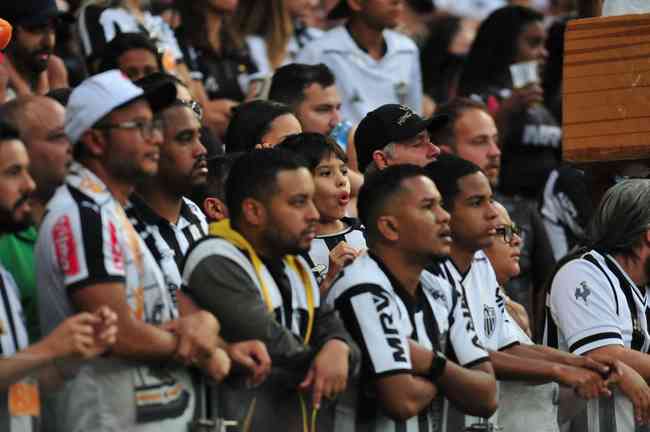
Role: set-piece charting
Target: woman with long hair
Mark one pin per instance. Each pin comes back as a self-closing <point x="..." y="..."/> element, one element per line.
<point x="218" y="58"/>
<point x="530" y="136"/>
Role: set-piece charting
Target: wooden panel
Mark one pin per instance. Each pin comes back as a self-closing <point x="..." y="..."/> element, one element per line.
<point x="606" y="89"/>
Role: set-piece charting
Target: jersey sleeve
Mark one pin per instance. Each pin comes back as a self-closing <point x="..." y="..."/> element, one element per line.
<point x="373" y="319"/>
<point x="462" y="335"/>
<point x="584" y="307"/>
<point x="508" y="333"/>
<point x="85" y="248"/>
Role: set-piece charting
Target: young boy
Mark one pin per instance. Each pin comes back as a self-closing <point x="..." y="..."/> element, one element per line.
<point x="339" y="239"/>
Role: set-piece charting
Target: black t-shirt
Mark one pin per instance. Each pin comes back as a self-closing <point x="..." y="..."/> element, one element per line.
<point x="219" y="73"/>
<point x="530" y="149"/>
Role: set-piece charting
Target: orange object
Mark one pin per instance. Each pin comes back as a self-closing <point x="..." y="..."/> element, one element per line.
<point x="5" y="33"/>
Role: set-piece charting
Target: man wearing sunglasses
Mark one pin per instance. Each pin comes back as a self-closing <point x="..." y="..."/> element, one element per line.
<point x="467" y="195"/>
<point x="88" y="254"/>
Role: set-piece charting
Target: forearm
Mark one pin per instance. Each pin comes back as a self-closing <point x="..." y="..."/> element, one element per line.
<point x="510" y="367"/>
<point x="541" y="352"/>
<point x="638" y="361"/>
<point x="30" y="361"/>
<point x="421" y="358"/>
<point x="457" y="382"/>
<point x="403" y="396"/>
<point x="138" y="340"/>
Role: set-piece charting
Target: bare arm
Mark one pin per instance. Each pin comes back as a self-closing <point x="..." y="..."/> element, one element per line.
<point x="404" y="395"/>
<point x="638" y="361"/>
<point x="136" y="340"/>
<point x="457" y="382"/>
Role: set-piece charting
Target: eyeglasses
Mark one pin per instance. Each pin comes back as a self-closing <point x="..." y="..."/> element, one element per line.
<point x="146" y="128"/>
<point x="193" y="105"/>
<point x="507" y="232"/>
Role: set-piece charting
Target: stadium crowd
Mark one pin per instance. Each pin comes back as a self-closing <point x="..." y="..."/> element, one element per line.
<point x="302" y="215"/>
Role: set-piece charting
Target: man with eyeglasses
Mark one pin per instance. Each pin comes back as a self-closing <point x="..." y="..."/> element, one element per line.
<point x="88" y="254"/>
<point x="30" y="64"/>
<point x="467" y="195"/>
<point x="394" y="134"/>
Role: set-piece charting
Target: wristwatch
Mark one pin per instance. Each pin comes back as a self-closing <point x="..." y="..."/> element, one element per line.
<point x="437" y="366"/>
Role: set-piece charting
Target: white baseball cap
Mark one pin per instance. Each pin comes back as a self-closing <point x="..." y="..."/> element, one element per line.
<point x="100" y="94"/>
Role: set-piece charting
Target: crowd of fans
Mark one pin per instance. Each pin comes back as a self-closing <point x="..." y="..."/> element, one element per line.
<point x="301" y="215"/>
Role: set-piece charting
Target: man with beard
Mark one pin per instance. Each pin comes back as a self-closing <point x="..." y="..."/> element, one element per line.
<point x="89" y="254"/>
<point x="468" y="198"/>
<point x="39" y="120"/>
<point x="402" y="318"/>
<point x="472" y="134"/>
<point x="597" y="304"/>
<point x="165" y="218"/>
<point x="84" y="335"/>
<point x="30" y="64"/>
<point x="248" y="273"/>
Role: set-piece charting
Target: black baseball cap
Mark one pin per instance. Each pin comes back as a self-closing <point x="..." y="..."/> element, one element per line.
<point x="31" y="12"/>
<point x="389" y="123"/>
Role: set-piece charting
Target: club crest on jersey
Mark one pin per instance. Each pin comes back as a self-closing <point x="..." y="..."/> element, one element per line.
<point x="582" y="291"/>
<point x="489" y="320"/>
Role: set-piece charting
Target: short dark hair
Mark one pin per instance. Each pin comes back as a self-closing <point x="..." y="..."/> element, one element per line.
<point x="290" y="81"/>
<point x="454" y="109"/>
<point x="378" y="191"/>
<point x="61" y="95"/>
<point x="254" y="175"/>
<point x="250" y="121"/>
<point x="218" y="171"/>
<point x="445" y="173"/>
<point x="313" y="147"/>
<point x="123" y="42"/>
<point x="8" y="132"/>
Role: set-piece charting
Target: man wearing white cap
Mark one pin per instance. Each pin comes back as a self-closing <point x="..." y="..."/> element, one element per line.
<point x="88" y="254"/>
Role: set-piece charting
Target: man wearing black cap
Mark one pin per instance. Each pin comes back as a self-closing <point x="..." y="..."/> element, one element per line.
<point x="88" y="254"/>
<point x="374" y="65"/>
<point x="394" y="134"/>
<point x="30" y="63"/>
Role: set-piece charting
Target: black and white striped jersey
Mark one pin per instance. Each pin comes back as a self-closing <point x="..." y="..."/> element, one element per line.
<point x="480" y="289"/>
<point x="593" y="303"/>
<point x="381" y="317"/>
<point x="168" y="242"/>
<point x="319" y="251"/>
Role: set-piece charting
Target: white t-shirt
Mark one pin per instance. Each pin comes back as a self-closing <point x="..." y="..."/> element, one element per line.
<point x="590" y="310"/>
<point x="363" y="82"/>
<point x="474" y="9"/>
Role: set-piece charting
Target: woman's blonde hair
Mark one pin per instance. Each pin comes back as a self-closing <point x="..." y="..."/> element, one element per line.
<point x="269" y="19"/>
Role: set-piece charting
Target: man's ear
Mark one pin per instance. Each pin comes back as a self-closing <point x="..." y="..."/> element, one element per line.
<point x="380" y="159"/>
<point x="215" y="209"/>
<point x="253" y="212"/>
<point x="388" y="227"/>
<point x="95" y="142"/>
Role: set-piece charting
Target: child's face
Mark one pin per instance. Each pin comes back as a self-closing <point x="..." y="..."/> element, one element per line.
<point x="332" y="188"/>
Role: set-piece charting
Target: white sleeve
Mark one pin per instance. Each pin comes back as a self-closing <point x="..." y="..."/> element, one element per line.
<point x="508" y="332"/>
<point x="583" y="307"/>
<point x="374" y="321"/>
<point x="462" y="335"/>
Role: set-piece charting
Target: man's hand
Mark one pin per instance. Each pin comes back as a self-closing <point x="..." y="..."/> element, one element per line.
<point x="602" y="366"/>
<point x="586" y="383"/>
<point x="84" y="335"/>
<point x="253" y="356"/>
<point x="216" y="366"/>
<point x="328" y="374"/>
<point x="637" y="391"/>
<point x="197" y="333"/>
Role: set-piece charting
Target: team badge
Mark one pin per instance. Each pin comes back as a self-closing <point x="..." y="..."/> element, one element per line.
<point x="489" y="320"/>
<point x="582" y="291"/>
